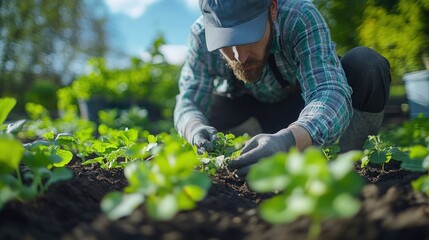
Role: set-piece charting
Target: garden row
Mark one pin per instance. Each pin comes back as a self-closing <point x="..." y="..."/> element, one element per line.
<point x="165" y="174"/>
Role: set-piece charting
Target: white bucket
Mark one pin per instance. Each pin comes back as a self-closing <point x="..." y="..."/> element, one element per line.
<point x="417" y="89"/>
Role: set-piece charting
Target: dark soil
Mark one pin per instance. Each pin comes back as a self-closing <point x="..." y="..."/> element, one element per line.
<point x="70" y="210"/>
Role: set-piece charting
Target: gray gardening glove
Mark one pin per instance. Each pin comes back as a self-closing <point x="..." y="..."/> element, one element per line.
<point x="260" y="146"/>
<point x="201" y="136"/>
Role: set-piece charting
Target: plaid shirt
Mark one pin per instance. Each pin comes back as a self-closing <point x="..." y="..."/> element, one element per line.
<point x="305" y="55"/>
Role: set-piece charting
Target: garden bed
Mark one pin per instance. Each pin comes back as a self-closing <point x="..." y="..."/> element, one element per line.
<point x="389" y="206"/>
<point x="70" y="210"/>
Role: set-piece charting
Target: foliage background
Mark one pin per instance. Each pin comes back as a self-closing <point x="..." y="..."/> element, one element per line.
<point x="45" y="45"/>
<point x="398" y="29"/>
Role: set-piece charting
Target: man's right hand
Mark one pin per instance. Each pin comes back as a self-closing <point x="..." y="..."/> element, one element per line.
<point x="201" y="136"/>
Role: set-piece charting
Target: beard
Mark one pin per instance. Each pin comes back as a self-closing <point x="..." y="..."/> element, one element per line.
<point x="250" y="71"/>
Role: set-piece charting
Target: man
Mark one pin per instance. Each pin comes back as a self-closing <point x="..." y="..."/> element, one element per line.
<point x="271" y="65"/>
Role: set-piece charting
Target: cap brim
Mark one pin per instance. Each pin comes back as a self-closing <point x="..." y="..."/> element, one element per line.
<point x="245" y="33"/>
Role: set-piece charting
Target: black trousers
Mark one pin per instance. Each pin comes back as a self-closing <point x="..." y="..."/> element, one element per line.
<point x="367" y="72"/>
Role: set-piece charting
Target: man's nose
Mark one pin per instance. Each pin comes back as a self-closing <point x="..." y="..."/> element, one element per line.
<point x="240" y="54"/>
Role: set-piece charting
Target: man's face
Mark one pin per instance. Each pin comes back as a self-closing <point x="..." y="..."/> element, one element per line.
<point x="247" y="61"/>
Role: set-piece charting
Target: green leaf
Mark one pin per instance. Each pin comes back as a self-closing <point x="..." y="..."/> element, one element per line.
<point x="139" y="178"/>
<point x="199" y="179"/>
<point x="99" y="147"/>
<point x="295" y="163"/>
<point x="413" y="164"/>
<point x="94" y="160"/>
<point x="317" y="188"/>
<point x="274" y="210"/>
<point x="378" y="157"/>
<point x="345" y="205"/>
<point x="344" y="164"/>
<point x="311" y="187"/>
<point x="282" y="208"/>
<point x="66" y="157"/>
<point x="6" y="194"/>
<point x="59" y="174"/>
<point x="130" y="135"/>
<point x="399" y="155"/>
<point x="418" y="151"/>
<point x="11" y="152"/>
<point x="66" y="138"/>
<point x="269" y="174"/>
<point x="184" y="202"/>
<point x="116" y="205"/>
<point x="299" y="204"/>
<point x="6" y="105"/>
<point x="151" y="138"/>
<point x="421" y="184"/>
<point x="162" y="208"/>
<point x="194" y="192"/>
<point x="426" y="163"/>
<point x="49" y="135"/>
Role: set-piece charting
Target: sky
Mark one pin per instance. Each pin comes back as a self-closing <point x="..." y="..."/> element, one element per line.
<point x="135" y="24"/>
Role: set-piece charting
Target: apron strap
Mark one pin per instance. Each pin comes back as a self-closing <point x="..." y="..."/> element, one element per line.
<point x="283" y="82"/>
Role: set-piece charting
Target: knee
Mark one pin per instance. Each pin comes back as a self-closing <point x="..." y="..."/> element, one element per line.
<point x="361" y="60"/>
<point x="368" y="73"/>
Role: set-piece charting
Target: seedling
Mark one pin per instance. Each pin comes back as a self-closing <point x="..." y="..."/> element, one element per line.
<point x="377" y="151"/>
<point x="309" y="185"/>
<point x="42" y="162"/>
<point x="226" y="147"/>
<point x="166" y="184"/>
<point x="116" y="148"/>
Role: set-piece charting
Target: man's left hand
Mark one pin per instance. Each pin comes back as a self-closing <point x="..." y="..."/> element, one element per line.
<point x="260" y="146"/>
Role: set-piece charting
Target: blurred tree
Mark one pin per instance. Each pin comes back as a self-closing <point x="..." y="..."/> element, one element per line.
<point x="399" y="32"/>
<point x="47" y="39"/>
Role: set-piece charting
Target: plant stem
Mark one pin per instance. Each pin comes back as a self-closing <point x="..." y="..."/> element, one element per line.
<point x="18" y="174"/>
<point x="315" y="229"/>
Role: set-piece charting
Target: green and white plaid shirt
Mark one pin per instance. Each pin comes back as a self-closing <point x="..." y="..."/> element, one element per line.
<point x="304" y="53"/>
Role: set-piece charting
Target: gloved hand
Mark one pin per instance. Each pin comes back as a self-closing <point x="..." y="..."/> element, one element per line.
<point x="201" y="136"/>
<point x="260" y="146"/>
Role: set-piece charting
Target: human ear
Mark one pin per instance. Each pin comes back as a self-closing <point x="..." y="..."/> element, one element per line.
<point x="273" y="9"/>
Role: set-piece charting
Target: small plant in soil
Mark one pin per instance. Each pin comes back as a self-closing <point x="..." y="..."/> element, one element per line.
<point x="422" y="183"/>
<point x="116" y="148"/>
<point x="226" y="147"/>
<point x="377" y="151"/>
<point x="308" y="185"/>
<point x="413" y="151"/>
<point x="166" y="184"/>
<point x="27" y="170"/>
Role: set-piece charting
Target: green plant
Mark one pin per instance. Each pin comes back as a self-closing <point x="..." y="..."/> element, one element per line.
<point x="308" y="185"/>
<point x="331" y="152"/>
<point x="27" y="170"/>
<point x="412" y="132"/>
<point x="378" y="151"/>
<point x="166" y="184"/>
<point x="226" y="147"/>
<point x="422" y="183"/>
<point x="421" y="153"/>
<point x="116" y="148"/>
<point x="152" y="87"/>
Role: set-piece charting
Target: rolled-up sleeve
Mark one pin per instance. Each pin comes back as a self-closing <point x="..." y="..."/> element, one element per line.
<point x="323" y="82"/>
<point x="195" y="83"/>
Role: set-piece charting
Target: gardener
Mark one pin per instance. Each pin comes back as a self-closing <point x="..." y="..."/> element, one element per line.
<point x="270" y="68"/>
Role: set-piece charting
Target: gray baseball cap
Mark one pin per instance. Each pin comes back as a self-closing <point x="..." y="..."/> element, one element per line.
<point x="233" y="22"/>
